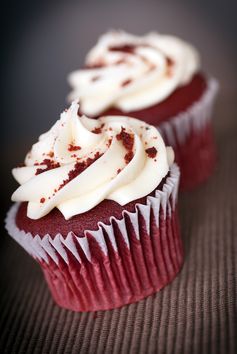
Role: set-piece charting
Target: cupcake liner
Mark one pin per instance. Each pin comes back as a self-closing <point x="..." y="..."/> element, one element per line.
<point x="190" y="134"/>
<point x="118" y="264"/>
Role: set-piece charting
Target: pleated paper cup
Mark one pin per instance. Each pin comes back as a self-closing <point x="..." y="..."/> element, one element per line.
<point x="191" y="136"/>
<point x="117" y="264"/>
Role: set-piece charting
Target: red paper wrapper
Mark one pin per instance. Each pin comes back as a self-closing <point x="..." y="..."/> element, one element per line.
<point x="191" y="136"/>
<point x="119" y="263"/>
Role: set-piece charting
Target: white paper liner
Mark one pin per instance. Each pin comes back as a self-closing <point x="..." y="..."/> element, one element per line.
<point x="47" y="247"/>
<point x="177" y="129"/>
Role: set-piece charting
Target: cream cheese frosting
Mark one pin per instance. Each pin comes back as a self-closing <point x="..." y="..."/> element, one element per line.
<point x="80" y="162"/>
<point x="131" y="72"/>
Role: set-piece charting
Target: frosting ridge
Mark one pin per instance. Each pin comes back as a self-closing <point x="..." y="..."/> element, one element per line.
<point x="131" y="72"/>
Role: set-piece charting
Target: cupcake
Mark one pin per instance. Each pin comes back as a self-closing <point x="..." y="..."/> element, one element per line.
<point x="158" y="79"/>
<point x="97" y="209"/>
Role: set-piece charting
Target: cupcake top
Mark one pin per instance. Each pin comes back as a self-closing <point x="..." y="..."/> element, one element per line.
<point x="80" y="162"/>
<point x="131" y="72"/>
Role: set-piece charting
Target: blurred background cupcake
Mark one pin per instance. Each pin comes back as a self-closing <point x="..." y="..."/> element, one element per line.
<point x="158" y="79"/>
<point x="44" y="41"/>
<point x="97" y="208"/>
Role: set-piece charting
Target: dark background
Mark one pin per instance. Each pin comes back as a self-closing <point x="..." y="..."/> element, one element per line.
<point x="41" y="42"/>
<point x="44" y="40"/>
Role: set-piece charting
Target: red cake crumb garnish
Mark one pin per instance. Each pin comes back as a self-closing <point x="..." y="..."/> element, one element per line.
<point x="126" y="82"/>
<point x="98" y="130"/>
<point x="126" y="48"/>
<point x="97" y="65"/>
<point x="151" y="152"/>
<point x="170" y="64"/>
<point x="95" y="78"/>
<point x="119" y="170"/>
<point x="120" y="61"/>
<point x="72" y="147"/>
<point x="42" y="200"/>
<point x="51" y="154"/>
<point x="109" y="142"/>
<point x="126" y="138"/>
<point x="79" y="167"/>
<point x="50" y="165"/>
<point x="128" y="157"/>
<point x="169" y="61"/>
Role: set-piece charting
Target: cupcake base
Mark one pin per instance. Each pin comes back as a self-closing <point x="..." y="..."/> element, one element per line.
<point x="121" y="277"/>
<point x="198" y="161"/>
<point x="191" y="135"/>
<point x="119" y="263"/>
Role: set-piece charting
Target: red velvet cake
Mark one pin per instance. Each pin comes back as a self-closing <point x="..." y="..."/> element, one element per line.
<point x="157" y="79"/>
<point x="54" y="222"/>
<point x="101" y="242"/>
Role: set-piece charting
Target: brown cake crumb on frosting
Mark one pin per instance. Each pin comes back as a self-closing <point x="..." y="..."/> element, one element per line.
<point x="126" y="138"/>
<point x="151" y="152"/>
<point x="79" y="167"/>
<point x="49" y="166"/>
<point x="72" y="147"/>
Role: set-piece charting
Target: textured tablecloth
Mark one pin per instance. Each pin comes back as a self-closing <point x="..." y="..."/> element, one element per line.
<point x="195" y="314"/>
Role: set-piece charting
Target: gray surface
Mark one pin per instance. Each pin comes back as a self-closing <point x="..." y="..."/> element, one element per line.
<point x="195" y="314"/>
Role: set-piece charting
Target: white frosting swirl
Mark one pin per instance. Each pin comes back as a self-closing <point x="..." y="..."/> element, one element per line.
<point x="61" y="171"/>
<point x="131" y="72"/>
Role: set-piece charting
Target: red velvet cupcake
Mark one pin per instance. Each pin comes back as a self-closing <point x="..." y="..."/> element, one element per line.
<point x="96" y="208"/>
<point x="155" y="78"/>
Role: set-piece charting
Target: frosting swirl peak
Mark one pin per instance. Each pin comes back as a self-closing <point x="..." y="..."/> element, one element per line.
<point x="80" y="161"/>
<point x="131" y="72"/>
